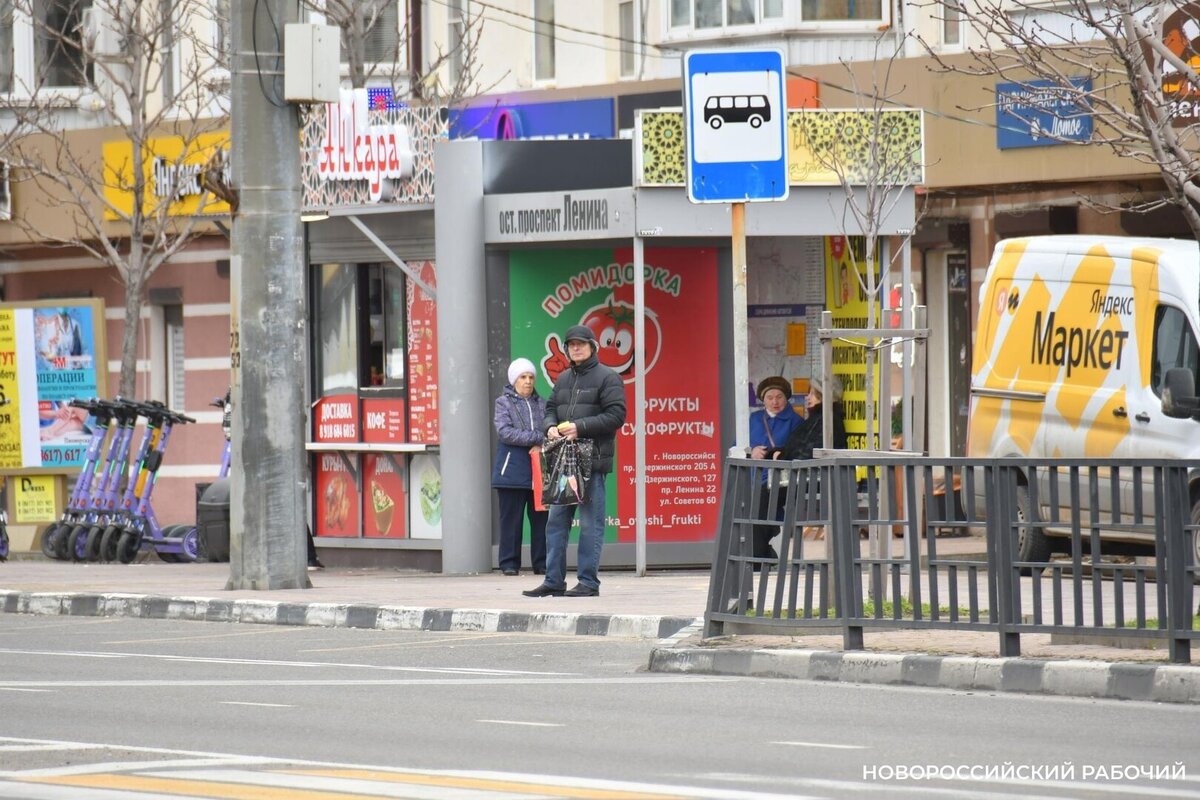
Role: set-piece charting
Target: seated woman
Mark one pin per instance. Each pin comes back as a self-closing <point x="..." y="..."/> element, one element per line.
<point x="809" y="434"/>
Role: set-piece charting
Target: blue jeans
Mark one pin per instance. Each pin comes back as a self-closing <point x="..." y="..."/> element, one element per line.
<point x="591" y="537"/>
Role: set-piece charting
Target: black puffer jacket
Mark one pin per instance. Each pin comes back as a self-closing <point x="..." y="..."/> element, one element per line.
<point x="593" y="397"/>
<point x="810" y="433"/>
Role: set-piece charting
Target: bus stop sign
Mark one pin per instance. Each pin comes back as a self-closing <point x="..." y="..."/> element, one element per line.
<point x="735" y="118"/>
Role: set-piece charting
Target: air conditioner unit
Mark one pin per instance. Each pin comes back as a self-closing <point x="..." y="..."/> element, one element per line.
<point x="5" y="192"/>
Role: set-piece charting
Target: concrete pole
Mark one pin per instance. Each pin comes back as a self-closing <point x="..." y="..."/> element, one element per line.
<point x="268" y="331"/>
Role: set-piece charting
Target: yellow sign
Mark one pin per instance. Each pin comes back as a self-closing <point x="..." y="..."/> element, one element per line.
<point x="846" y="298"/>
<point x="33" y="498"/>
<point x="10" y="409"/>
<point x="861" y="146"/>
<point x="171" y="168"/>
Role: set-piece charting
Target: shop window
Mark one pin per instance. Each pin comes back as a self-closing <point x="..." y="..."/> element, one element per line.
<point x="354" y="350"/>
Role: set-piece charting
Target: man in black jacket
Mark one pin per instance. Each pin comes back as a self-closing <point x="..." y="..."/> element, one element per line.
<point x="587" y="402"/>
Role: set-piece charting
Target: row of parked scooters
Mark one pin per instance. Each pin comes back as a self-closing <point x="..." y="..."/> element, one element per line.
<point x="109" y="516"/>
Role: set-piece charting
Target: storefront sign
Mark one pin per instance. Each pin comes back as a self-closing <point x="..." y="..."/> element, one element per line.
<point x="355" y="149"/>
<point x="335" y="419"/>
<point x="1181" y="36"/>
<point x="423" y="418"/>
<point x="384" y="503"/>
<point x="817" y="139"/>
<point x="568" y="119"/>
<point x="383" y="420"/>
<point x="552" y="290"/>
<point x="172" y="167"/>
<point x="48" y="356"/>
<point x="338" y="500"/>
<point x="554" y="216"/>
<point x="33" y="500"/>
<point x="1039" y="114"/>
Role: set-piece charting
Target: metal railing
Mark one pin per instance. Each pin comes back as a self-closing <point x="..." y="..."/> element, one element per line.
<point x="1109" y="548"/>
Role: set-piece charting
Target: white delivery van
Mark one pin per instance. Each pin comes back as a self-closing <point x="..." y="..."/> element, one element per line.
<point x="1076" y="338"/>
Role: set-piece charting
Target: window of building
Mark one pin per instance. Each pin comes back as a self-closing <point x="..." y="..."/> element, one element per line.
<point x="844" y="11"/>
<point x="457" y="14"/>
<point x="628" y="37"/>
<point x="6" y="46"/>
<point x="381" y="23"/>
<point x="343" y="366"/>
<point x="681" y="13"/>
<point x="59" y="58"/>
<point x="543" y="40"/>
<point x="952" y="14"/>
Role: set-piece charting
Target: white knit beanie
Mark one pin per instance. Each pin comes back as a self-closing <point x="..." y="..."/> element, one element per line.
<point x="518" y="368"/>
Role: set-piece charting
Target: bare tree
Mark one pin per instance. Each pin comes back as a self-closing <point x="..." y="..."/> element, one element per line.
<point x="1132" y="65"/>
<point x="144" y="69"/>
<point x="874" y="153"/>
<point x="378" y="42"/>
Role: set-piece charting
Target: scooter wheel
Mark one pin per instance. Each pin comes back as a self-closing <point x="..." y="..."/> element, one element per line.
<point x="95" y="538"/>
<point x="190" y="544"/>
<point x="62" y="540"/>
<point x="109" y="542"/>
<point x="128" y="546"/>
<point x="171" y="558"/>
<point x="48" y="545"/>
<point x="77" y="543"/>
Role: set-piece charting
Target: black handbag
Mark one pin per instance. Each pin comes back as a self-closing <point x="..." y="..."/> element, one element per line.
<point x="566" y="469"/>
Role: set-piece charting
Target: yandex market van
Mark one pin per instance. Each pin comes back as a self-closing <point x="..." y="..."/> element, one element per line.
<point x="1075" y="345"/>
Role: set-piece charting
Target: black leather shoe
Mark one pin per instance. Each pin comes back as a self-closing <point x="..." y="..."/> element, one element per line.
<point x="579" y="590"/>
<point x="545" y="591"/>
<point x="510" y="572"/>
<point x="539" y="572"/>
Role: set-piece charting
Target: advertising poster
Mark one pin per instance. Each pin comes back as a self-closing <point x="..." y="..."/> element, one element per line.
<point x="337" y="496"/>
<point x="425" y="497"/>
<point x="551" y="291"/>
<point x="33" y="500"/>
<point x="335" y="418"/>
<point x="383" y="420"/>
<point x="383" y="496"/>
<point x="422" y="359"/>
<point x="846" y="271"/>
<point x="48" y="356"/>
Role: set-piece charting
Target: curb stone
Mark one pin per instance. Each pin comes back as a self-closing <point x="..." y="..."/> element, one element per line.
<point x="1160" y="683"/>
<point x="343" y="615"/>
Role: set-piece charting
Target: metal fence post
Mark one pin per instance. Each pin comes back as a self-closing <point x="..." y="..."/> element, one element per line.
<point x="1002" y="486"/>
<point x="1179" y="608"/>
<point x="734" y="505"/>
<point x="843" y="493"/>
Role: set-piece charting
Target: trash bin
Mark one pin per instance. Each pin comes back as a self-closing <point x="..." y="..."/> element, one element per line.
<point x="212" y="521"/>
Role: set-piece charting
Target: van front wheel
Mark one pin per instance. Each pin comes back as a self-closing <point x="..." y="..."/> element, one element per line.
<point x="1032" y="543"/>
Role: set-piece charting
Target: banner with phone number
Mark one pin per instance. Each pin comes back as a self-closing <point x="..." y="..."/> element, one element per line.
<point x="48" y="357"/>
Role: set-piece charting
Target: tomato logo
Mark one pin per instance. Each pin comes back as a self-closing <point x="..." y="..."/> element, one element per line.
<point x="612" y="324"/>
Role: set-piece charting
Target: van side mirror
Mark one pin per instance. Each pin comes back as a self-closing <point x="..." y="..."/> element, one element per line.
<point x="1179" y="394"/>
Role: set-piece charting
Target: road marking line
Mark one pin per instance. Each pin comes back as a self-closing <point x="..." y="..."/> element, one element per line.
<point x="648" y="680"/>
<point x="136" y="766"/>
<point x="824" y="745"/>
<point x="14" y="689"/>
<point x="258" y="705"/>
<point x="488" y="784"/>
<point x="39" y="748"/>
<point x="279" y="663"/>
<point x="517" y="722"/>
<point x="220" y="791"/>
<point x="281" y="629"/>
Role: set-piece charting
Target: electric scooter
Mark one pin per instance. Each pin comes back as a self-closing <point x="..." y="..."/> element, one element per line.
<point x="104" y="492"/>
<point x="54" y="540"/>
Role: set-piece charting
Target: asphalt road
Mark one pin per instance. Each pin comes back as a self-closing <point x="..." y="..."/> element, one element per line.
<point x="121" y="708"/>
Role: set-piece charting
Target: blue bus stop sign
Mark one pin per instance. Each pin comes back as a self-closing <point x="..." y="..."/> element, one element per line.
<point x="735" y="118"/>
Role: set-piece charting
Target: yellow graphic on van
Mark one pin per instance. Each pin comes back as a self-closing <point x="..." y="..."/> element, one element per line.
<point x="1089" y="340"/>
<point x="1102" y="439"/>
<point x="1144" y="271"/>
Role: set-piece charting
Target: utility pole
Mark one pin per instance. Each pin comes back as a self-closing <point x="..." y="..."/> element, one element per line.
<point x="268" y="329"/>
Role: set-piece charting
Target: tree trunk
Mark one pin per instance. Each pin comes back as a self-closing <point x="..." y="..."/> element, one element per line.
<point x="134" y="289"/>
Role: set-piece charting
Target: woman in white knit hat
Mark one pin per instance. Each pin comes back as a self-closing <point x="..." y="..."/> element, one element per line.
<point x="518" y="420"/>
